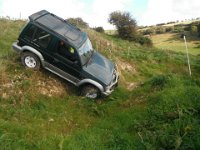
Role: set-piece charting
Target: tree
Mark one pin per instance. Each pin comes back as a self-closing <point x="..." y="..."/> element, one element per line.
<point x="99" y="29"/>
<point x="125" y="24"/>
<point x="78" y="22"/>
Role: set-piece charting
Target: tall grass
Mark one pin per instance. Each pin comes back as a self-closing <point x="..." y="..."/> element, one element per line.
<point x="9" y="33"/>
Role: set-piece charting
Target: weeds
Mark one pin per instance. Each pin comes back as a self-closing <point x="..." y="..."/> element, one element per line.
<point x="159" y="82"/>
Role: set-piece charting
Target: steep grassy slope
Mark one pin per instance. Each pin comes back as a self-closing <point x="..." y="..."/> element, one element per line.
<point x="156" y="105"/>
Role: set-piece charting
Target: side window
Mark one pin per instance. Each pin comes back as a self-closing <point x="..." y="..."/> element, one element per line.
<point x="42" y="38"/>
<point x="29" y="33"/>
<point x="66" y="51"/>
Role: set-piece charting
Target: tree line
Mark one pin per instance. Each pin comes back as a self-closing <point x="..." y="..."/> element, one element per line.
<point x="193" y="29"/>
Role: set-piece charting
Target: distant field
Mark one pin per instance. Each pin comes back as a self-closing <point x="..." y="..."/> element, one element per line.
<point x="184" y="22"/>
<point x="110" y="32"/>
<point x="173" y="42"/>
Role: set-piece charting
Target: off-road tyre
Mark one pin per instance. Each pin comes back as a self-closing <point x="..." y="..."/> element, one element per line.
<point x="90" y="92"/>
<point x="30" y="60"/>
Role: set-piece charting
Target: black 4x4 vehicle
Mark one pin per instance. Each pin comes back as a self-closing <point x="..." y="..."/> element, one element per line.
<point x="50" y="42"/>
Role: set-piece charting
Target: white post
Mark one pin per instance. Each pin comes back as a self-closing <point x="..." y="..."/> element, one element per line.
<point x="188" y="59"/>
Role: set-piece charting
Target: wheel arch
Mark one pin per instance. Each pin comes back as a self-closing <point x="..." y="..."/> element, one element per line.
<point x="90" y="82"/>
<point x="34" y="51"/>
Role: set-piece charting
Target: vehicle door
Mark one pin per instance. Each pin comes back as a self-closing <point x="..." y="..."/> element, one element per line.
<point x="39" y="39"/>
<point x="66" y="58"/>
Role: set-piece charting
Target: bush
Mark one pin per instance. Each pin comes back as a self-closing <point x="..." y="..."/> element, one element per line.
<point x="198" y="27"/>
<point x="169" y="29"/>
<point x="149" y="31"/>
<point x="125" y="24"/>
<point x="99" y="29"/>
<point x="145" y="41"/>
<point x="160" y="30"/>
<point x="126" y="27"/>
<point x="78" y="22"/>
<point x="193" y="30"/>
<point x="178" y="29"/>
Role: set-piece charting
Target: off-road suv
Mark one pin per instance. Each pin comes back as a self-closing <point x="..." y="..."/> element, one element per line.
<point x="51" y="42"/>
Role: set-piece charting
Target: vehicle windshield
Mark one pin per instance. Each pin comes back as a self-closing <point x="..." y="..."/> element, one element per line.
<point x="85" y="52"/>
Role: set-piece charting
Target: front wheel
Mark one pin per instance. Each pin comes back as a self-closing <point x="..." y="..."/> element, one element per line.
<point x="30" y="60"/>
<point x="90" y="91"/>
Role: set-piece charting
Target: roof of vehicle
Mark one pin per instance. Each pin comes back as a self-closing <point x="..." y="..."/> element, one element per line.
<point x="56" y="24"/>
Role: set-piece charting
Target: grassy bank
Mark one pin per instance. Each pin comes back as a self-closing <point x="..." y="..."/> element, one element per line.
<point x="156" y="105"/>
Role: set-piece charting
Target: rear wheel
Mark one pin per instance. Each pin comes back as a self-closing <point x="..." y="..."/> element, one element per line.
<point x="90" y="91"/>
<point x="30" y="60"/>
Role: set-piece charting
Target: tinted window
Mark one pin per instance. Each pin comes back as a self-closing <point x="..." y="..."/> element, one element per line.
<point x="66" y="51"/>
<point x="42" y="38"/>
<point x="30" y="32"/>
<point x="85" y="52"/>
<point x="38" y="36"/>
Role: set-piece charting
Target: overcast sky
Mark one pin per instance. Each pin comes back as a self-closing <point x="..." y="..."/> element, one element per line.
<point x="96" y="12"/>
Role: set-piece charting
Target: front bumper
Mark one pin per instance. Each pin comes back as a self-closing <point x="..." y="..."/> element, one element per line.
<point x="112" y="86"/>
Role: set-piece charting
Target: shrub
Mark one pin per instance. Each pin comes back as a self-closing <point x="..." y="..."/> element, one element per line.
<point x="160" y="30"/>
<point x="193" y="30"/>
<point x="178" y="29"/>
<point x="169" y="29"/>
<point x="198" y="27"/>
<point x="78" y="22"/>
<point x="149" y="31"/>
<point x="145" y="41"/>
<point x="99" y="29"/>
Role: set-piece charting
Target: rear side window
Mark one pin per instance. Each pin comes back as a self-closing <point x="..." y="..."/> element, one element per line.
<point x="42" y="38"/>
<point x="38" y="36"/>
<point x="30" y="32"/>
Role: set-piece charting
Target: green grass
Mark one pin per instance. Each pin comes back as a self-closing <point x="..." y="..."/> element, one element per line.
<point x="38" y="110"/>
<point x="9" y="33"/>
<point x="111" y="32"/>
<point x="173" y="42"/>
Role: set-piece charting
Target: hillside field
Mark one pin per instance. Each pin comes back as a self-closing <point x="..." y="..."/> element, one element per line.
<point x="173" y="42"/>
<point x="156" y="106"/>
